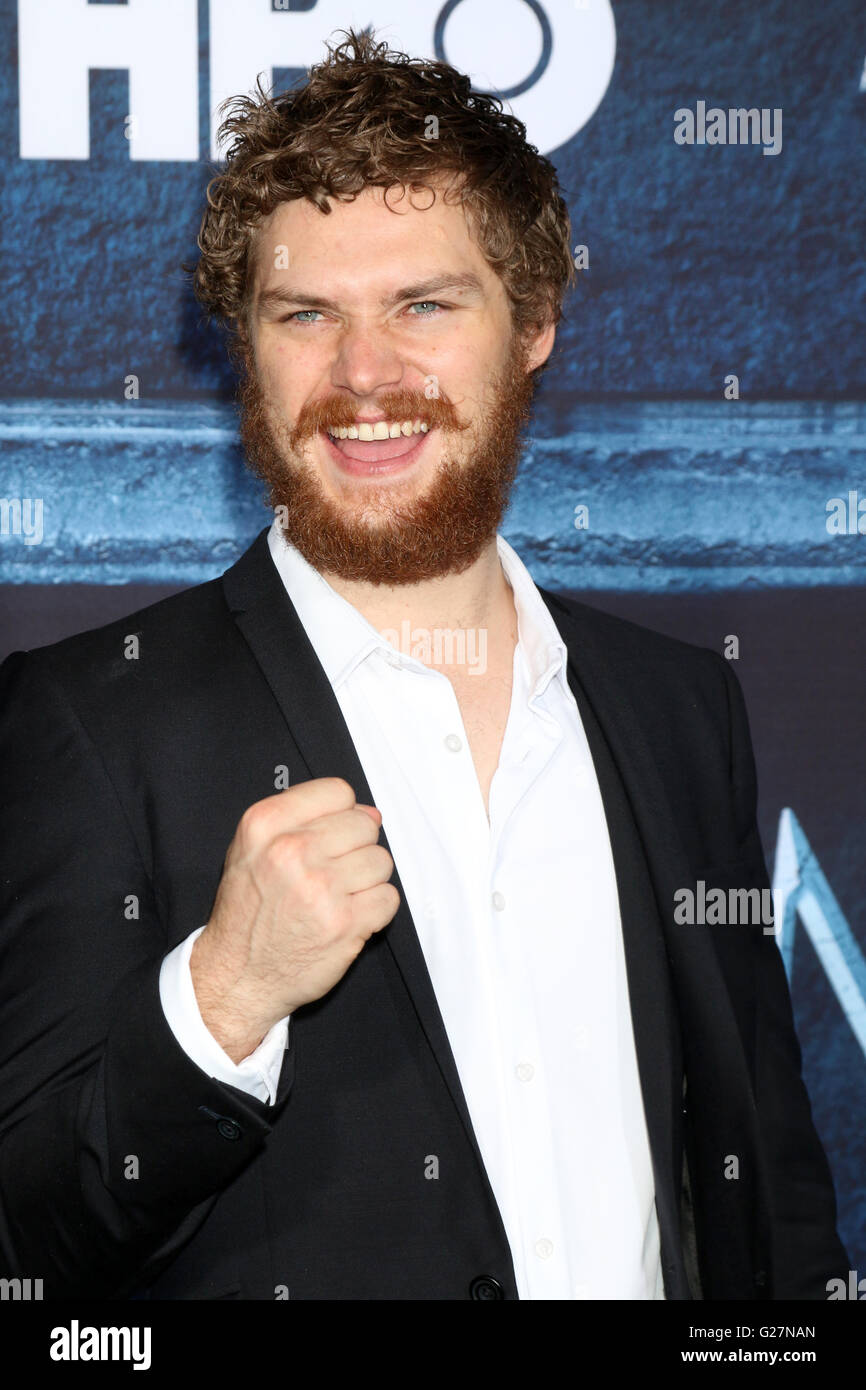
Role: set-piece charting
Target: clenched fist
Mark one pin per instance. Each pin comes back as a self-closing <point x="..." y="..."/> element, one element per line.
<point x="304" y="886"/>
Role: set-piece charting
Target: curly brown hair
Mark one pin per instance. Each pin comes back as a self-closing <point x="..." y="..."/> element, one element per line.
<point x="363" y="118"/>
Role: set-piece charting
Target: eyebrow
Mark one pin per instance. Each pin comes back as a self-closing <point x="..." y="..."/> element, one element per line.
<point x="281" y="295"/>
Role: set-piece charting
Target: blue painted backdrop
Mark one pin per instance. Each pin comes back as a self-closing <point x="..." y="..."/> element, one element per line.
<point x="706" y="516"/>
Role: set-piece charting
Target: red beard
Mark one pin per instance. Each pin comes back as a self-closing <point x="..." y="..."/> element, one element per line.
<point x="442" y="531"/>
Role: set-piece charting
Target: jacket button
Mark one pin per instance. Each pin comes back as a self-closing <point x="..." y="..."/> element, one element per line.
<point x="486" y="1287"/>
<point x="760" y="1278"/>
<point x="228" y="1129"/>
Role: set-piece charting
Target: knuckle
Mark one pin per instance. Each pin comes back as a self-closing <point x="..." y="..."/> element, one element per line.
<point x="339" y="792"/>
<point x="365" y="825"/>
<point x="252" y="823"/>
<point x="316" y="902"/>
<point x="285" y="853"/>
<point x="317" y="885"/>
<point x="382" y="905"/>
<point x="383" y="861"/>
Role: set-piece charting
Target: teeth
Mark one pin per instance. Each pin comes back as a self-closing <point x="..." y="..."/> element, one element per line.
<point x="383" y="429"/>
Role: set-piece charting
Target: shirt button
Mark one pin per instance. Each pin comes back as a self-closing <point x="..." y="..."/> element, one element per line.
<point x="581" y="1036"/>
<point x="544" y="1248"/>
<point x="525" y="1071"/>
<point x="498" y="901"/>
<point x="453" y="743"/>
<point x="581" y="1290"/>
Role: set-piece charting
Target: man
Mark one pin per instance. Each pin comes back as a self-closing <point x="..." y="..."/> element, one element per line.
<point x="341" y="959"/>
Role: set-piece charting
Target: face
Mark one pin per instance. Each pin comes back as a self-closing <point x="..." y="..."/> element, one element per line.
<point x="384" y="391"/>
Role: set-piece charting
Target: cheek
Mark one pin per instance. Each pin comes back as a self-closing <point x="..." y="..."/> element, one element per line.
<point x="285" y="379"/>
<point x="272" y="370"/>
<point x="471" y="377"/>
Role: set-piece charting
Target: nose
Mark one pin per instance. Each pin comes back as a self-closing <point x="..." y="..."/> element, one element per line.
<point x="366" y="363"/>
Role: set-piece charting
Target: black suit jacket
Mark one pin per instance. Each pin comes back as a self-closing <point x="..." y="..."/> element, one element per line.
<point x="127" y="1172"/>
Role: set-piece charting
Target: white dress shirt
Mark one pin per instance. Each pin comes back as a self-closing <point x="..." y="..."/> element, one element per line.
<point x="518" y="920"/>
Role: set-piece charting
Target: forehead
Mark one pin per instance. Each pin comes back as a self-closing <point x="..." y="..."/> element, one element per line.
<point x="367" y="239"/>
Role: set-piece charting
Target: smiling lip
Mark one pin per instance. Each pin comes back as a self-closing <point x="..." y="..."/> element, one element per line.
<point x="377" y="456"/>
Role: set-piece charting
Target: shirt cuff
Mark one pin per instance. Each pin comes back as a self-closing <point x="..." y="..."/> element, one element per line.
<point x="258" y="1074"/>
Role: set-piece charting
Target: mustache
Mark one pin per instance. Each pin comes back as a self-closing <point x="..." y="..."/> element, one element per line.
<point x="435" y="411"/>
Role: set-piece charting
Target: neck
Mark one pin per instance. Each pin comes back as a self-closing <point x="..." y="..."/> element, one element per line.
<point x="478" y="598"/>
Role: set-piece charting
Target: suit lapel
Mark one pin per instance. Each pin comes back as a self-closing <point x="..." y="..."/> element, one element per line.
<point x="608" y="694"/>
<point x="653" y="1011"/>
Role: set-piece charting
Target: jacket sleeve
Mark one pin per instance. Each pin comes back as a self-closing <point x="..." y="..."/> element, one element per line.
<point x="113" y="1144"/>
<point x="806" y="1249"/>
<point x="258" y="1074"/>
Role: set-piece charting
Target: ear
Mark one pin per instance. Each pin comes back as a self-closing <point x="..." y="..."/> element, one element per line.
<point x="539" y="347"/>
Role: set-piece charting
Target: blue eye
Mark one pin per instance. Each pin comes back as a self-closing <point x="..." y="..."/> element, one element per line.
<point x="424" y="304"/>
<point x="297" y="315"/>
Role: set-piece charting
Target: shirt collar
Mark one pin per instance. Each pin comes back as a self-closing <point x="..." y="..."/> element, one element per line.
<point x="544" y="651"/>
<point x="343" y="638"/>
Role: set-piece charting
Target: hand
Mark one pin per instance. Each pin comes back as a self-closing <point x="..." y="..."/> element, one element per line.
<point x="304" y="886"/>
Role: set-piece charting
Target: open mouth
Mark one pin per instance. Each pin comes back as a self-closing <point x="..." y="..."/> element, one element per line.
<point x="383" y="446"/>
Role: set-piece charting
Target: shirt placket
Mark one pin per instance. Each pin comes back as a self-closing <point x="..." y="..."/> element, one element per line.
<point x="530" y="742"/>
